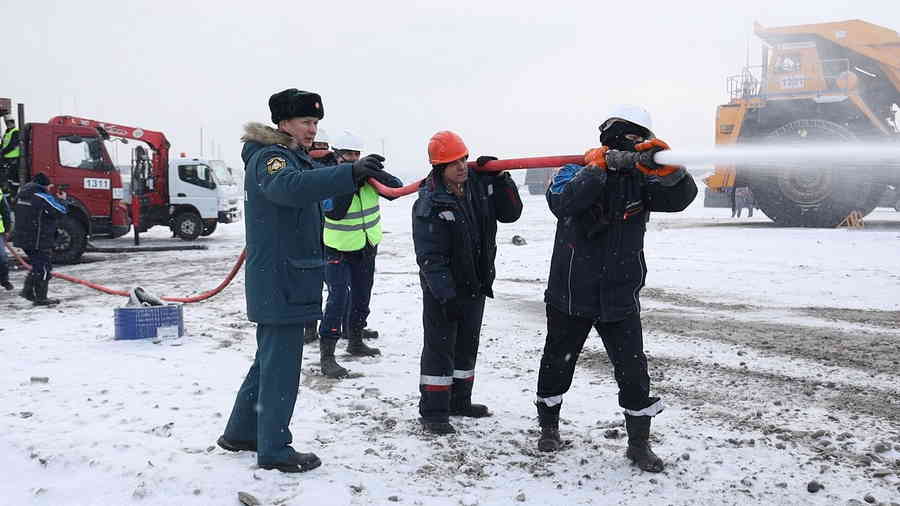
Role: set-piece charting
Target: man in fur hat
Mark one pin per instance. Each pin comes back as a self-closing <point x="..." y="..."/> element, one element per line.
<point x="284" y="273"/>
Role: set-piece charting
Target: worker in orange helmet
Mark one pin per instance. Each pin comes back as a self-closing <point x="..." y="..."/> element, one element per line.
<point x="454" y="232"/>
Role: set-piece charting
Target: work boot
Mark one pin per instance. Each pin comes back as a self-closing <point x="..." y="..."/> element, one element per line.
<point x="40" y="293"/>
<point x="236" y="446"/>
<point x="310" y="333"/>
<point x="330" y="367"/>
<point x="471" y="411"/>
<point x="437" y="428"/>
<point x="28" y="290"/>
<point x="358" y="348"/>
<point x="639" y="451"/>
<point x="550" y="440"/>
<point x="548" y="418"/>
<point x="296" y="463"/>
<point x="369" y="334"/>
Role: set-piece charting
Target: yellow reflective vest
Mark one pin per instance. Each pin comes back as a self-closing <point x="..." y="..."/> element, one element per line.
<point x="6" y="138"/>
<point x="2" y="198"/>
<point x="361" y="224"/>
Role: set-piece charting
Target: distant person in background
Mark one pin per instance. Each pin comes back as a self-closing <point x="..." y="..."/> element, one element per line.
<point x="9" y="158"/>
<point x="742" y="198"/>
<point x="37" y="212"/>
<point x="5" y="231"/>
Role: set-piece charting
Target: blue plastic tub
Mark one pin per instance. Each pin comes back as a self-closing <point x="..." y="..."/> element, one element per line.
<point x="149" y="322"/>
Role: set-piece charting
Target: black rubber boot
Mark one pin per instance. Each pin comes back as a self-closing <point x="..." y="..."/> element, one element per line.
<point x="28" y="289"/>
<point x="4" y="276"/>
<point x="329" y="365"/>
<point x="470" y="410"/>
<point x="297" y="463"/>
<point x="310" y="333"/>
<point x="548" y="417"/>
<point x="639" y="451"/>
<point x="437" y="428"/>
<point x="358" y="348"/>
<point x="236" y="446"/>
<point x="369" y="334"/>
<point x="40" y="293"/>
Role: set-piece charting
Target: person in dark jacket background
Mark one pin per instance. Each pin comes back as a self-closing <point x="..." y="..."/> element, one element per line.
<point x="5" y="234"/>
<point x="284" y="271"/>
<point x="37" y="212"/>
<point x="454" y="233"/>
<point x="598" y="269"/>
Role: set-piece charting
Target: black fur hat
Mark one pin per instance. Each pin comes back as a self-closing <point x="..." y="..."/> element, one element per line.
<point x="293" y="103"/>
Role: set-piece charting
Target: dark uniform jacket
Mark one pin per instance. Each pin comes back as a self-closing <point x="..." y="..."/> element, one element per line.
<point x="283" y="219"/>
<point x="598" y="267"/>
<point x="37" y="212"/>
<point x="456" y="244"/>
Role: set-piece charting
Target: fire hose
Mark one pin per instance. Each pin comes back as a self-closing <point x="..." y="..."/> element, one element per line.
<point x="111" y="291"/>
<point x="492" y="166"/>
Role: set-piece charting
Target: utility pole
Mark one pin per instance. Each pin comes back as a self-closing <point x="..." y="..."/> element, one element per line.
<point x="201" y="142"/>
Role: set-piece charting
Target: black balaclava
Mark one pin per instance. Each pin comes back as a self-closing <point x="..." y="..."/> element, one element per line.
<point x="613" y="136"/>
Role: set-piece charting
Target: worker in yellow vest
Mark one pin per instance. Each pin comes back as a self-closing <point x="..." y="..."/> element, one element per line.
<point x="351" y="236"/>
<point x="5" y="229"/>
<point x="9" y="157"/>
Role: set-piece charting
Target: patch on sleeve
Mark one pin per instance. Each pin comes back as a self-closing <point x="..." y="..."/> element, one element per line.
<point x="275" y="164"/>
<point x="447" y="216"/>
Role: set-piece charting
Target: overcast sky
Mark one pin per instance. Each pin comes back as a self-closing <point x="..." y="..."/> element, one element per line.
<point x="513" y="78"/>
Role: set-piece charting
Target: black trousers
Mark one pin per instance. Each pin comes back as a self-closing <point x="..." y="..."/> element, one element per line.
<point x="41" y="264"/>
<point x="448" y="357"/>
<point x="350" y="276"/>
<point x="624" y="344"/>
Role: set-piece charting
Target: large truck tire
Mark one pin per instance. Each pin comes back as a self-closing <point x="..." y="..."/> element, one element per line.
<point x="188" y="225"/>
<point x="809" y="196"/>
<point x="71" y="240"/>
<point x="209" y="226"/>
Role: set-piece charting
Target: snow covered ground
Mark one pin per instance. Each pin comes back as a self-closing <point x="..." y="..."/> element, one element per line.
<point x="776" y="350"/>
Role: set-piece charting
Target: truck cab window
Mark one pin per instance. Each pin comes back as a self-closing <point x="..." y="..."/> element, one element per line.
<point x="197" y="174"/>
<point x="81" y="153"/>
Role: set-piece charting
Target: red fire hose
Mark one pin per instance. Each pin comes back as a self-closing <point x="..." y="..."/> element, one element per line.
<point x="111" y="291"/>
<point x="537" y="162"/>
<point x="492" y="166"/>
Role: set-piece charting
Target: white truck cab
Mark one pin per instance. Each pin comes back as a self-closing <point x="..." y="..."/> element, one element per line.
<point x="202" y="194"/>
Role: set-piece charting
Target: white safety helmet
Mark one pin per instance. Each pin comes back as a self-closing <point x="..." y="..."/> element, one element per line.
<point x="321" y="137"/>
<point x="348" y="141"/>
<point x="631" y="113"/>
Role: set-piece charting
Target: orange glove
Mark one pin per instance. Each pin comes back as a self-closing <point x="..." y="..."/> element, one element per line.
<point x="596" y="157"/>
<point x="655" y="145"/>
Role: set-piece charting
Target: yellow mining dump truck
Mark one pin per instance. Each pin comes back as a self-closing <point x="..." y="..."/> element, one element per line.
<point x="827" y="83"/>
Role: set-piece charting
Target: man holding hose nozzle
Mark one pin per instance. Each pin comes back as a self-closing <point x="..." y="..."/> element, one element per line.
<point x="454" y="233"/>
<point x="284" y="272"/>
<point x="598" y="270"/>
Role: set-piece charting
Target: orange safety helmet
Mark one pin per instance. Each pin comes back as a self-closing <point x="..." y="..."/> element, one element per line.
<point x="445" y="147"/>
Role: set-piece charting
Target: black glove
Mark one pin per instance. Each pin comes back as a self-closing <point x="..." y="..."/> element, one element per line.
<point x="386" y="178"/>
<point x="452" y="310"/>
<point x="366" y="167"/>
<point x="482" y="160"/>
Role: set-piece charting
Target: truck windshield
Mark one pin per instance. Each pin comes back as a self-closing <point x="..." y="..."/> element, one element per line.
<point x="222" y="174"/>
<point x="80" y="152"/>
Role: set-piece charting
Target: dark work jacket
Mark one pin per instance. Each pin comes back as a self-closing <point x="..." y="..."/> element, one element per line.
<point x="37" y="212"/>
<point x="451" y="264"/>
<point x="283" y="220"/>
<point x="598" y="267"/>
